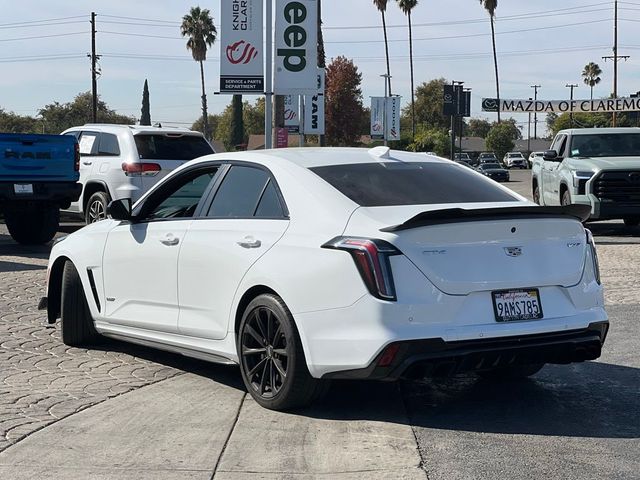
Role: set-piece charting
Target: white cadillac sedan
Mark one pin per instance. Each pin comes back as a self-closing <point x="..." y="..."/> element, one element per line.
<point x="304" y="265"/>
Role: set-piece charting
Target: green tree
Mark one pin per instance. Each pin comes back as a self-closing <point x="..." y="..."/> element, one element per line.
<point x="478" y="127"/>
<point x="237" y="123"/>
<point x="198" y="26"/>
<point x="431" y="140"/>
<point x="407" y="6"/>
<point x="381" y="5"/>
<point x="253" y="118"/>
<point x="591" y="75"/>
<point x="500" y="139"/>
<point x="13" y="123"/>
<point x="555" y="123"/>
<point x="429" y="103"/>
<point x="145" y="117"/>
<point x="490" y="6"/>
<point x="513" y="125"/>
<point x="213" y="120"/>
<point x="343" y="102"/>
<point x="60" y="116"/>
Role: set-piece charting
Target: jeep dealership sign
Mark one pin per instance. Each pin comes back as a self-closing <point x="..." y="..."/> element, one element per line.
<point x="296" y="44"/>
<point x="562" y="106"/>
<point x="241" y="47"/>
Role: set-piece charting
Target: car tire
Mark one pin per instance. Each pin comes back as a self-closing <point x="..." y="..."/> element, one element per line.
<point x="513" y="372"/>
<point x="96" y="208"/>
<point x="269" y="346"/>
<point x="566" y="198"/>
<point x="536" y="195"/>
<point x="76" y="321"/>
<point x="35" y="225"/>
<point x="631" y="221"/>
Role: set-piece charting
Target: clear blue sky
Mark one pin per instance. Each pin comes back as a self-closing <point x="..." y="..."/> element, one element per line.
<point x="545" y="42"/>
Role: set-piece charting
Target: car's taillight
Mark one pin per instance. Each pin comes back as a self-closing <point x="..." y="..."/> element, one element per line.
<point x="594" y="255"/>
<point x="76" y="157"/>
<point x="140" y="169"/>
<point x="371" y="257"/>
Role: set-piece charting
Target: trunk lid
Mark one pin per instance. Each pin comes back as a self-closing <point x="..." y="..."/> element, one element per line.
<point x="464" y="250"/>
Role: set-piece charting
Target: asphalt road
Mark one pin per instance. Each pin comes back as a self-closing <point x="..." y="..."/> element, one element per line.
<point x="567" y="422"/>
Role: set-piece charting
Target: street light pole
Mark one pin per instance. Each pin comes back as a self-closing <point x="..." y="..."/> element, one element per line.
<point x="529" y="132"/>
<point x="571" y="86"/>
<point x="535" y="113"/>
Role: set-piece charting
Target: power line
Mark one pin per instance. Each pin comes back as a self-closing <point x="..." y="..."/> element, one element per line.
<point x="142" y="19"/>
<point x="139" y="35"/>
<point x="42" y="36"/>
<point x="41" y="21"/>
<point x="528" y="16"/>
<point x="450" y="37"/>
<point x="139" y="24"/>
<point x="40" y="58"/>
<point x="50" y="24"/>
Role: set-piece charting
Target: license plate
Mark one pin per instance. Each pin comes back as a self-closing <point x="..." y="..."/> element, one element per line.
<point x="23" y="188"/>
<point x="515" y="305"/>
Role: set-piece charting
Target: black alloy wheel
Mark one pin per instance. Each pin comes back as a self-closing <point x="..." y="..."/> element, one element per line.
<point x="265" y="352"/>
<point x="271" y="357"/>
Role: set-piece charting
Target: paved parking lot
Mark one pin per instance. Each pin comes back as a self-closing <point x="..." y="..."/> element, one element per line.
<point x="130" y="412"/>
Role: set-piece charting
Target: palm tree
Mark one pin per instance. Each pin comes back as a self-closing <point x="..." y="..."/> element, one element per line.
<point x="198" y="26"/>
<point x="591" y="75"/>
<point x="382" y="6"/>
<point x="407" y="6"/>
<point x="490" y="6"/>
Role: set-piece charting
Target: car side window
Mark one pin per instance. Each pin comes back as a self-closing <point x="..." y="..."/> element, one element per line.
<point x="559" y="144"/>
<point x="269" y="205"/>
<point x="108" y="145"/>
<point x="88" y="143"/>
<point x="179" y="198"/>
<point x="245" y="192"/>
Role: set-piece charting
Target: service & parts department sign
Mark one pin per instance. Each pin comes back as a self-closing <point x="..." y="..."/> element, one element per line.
<point x="562" y="106"/>
<point x="241" y="46"/>
<point x="296" y="42"/>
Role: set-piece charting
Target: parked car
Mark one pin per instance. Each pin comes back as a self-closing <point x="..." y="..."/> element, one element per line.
<point x="597" y="167"/>
<point x="462" y="156"/>
<point x="38" y="176"/>
<point x="532" y="157"/>
<point x="514" y="160"/>
<point x="123" y="161"/>
<point x="305" y="265"/>
<point x="494" y="171"/>
<point x="487" y="157"/>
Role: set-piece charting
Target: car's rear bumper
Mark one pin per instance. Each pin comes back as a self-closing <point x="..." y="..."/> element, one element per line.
<point x="59" y="192"/>
<point x="436" y="357"/>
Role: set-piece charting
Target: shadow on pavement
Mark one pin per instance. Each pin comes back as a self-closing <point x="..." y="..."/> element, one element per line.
<point x="18" y="267"/>
<point x="582" y="400"/>
<point x="590" y="399"/>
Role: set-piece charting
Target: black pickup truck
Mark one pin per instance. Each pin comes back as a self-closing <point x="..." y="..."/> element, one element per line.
<point x="38" y="176"/>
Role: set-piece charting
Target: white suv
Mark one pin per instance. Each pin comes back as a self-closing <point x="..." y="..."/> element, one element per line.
<point x="122" y="161"/>
<point x="514" y="160"/>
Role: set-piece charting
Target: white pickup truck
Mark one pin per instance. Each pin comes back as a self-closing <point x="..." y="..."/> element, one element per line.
<point x="599" y="167"/>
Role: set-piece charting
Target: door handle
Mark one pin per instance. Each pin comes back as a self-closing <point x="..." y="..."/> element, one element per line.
<point x="87" y="163"/>
<point x="250" y="242"/>
<point x="170" y="241"/>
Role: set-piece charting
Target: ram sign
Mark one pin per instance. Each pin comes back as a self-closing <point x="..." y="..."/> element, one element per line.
<point x="241" y="47"/>
<point x="296" y="42"/>
<point x="562" y="106"/>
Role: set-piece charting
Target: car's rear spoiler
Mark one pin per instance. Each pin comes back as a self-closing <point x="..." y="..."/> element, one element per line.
<point x="455" y="215"/>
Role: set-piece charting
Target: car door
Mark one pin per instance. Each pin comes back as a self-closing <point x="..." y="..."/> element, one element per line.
<point x="246" y="217"/>
<point x="140" y="259"/>
<point x="88" y="143"/>
<point x="550" y="179"/>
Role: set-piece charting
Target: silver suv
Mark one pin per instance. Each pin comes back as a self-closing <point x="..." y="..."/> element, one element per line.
<point x="122" y="161"/>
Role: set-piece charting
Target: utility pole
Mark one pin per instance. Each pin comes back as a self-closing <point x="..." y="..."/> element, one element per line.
<point x="268" y="76"/>
<point x="94" y="79"/>
<point x="615" y="57"/>
<point x="454" y="118"/>
<point x="535" y="113"/>
<point x="571" y="86"/>
<point x="529" y="132"/>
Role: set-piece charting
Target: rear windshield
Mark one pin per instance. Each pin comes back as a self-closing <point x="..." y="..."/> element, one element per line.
<point x="171" y="147"/>
<point x="420" y="183"/>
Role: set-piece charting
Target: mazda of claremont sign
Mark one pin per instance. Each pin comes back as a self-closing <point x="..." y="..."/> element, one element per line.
<point x="562" y="106"/>
<point x="241" y="47"/>
<point x="296" y="52"/>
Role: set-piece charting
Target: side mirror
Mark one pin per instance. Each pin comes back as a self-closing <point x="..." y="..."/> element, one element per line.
<point x="551" y="155"/>
<point x="120" y="209"/>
